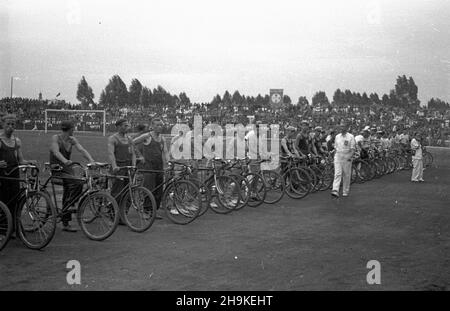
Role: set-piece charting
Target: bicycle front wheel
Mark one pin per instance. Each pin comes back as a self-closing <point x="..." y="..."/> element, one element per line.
<point x="6" y="224"/>
<point x="138" y="209"/>
<point x="182" y="202"/>
<point x="36" y="220"/>
<point x="98" y="215"/>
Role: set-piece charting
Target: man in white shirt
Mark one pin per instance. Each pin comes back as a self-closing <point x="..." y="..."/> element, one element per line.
<point x="345" y="148"/>
<point x="416" y="148"/>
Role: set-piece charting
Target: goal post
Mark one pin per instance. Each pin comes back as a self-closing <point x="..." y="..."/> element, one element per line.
<point x="67" y="112"/>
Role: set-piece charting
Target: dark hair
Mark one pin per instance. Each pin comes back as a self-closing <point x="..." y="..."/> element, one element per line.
<point x="141" y="127"/>
<point x="67" y="125"/>
<point x="120" y="122"/>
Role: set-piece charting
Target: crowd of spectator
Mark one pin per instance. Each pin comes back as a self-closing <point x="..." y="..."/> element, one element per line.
<point x="433" y="124"/>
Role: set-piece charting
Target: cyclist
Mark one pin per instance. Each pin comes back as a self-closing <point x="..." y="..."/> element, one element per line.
<point x="60" y="152"/>
<point x="287" y="145"/>
<point x="121" y="152"/>
<point x="155" y="153"/>
<point x="302" y="142"/>
<point x="10" y="158"/>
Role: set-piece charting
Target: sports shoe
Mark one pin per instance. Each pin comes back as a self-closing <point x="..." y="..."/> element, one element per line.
<point x="174" y="211"/>
<point x="69" y="228"/>
<point x="335" y="194"/>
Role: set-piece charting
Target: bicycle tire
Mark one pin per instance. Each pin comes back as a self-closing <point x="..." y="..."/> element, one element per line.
<point x="244" y="188"/>
<point x="297" y="187"/>
<point x="6" y="225"/>
<point x="40" y="217"/>
<point x="146" y="214"/>
<point x="172" y="202"/>
<point x="111" y="213"/>
<point x="257" y="197"/>
<point x="272" y="184"/>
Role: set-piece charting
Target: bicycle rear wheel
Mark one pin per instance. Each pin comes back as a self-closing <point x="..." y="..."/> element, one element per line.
<point x="274" y="186"/>
<point x="182" y="202"/>
<point x="244" y="188"/>
<point x="6" y="225"/>
<point x="138" y="209"/>
<point x="298" y="183"/>
<point x="225" y="194"/>
<point x="98" y="215"/>
<point x="36" y="220"/>
<point x="205" y="195"/>
<point x="257" y="189"/>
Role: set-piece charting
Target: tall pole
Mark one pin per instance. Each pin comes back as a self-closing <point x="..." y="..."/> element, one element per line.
<point x="12" y="79"/>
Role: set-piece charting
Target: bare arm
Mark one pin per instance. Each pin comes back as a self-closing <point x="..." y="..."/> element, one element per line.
<point x="111" y="149"/>
<point x="141" y="138"/>
<point x="133" y="152"/>
<point x="166" y="153"/>
<point x="20" y="154"/>
<point x="285" y="147"/>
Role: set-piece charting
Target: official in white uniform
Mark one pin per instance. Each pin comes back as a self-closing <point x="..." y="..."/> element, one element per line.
<point x="417" y="160"/>
<point x="344" y="145"/>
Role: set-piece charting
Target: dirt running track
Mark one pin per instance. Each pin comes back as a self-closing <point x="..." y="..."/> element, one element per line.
<point x="310" y="244"/>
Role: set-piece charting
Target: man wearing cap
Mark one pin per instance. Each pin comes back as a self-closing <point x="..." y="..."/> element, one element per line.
<point x="121" y="152"/>
<point x="60" y="153"/>
<point x="345" y="148"/>
<point x="10" y="158"/>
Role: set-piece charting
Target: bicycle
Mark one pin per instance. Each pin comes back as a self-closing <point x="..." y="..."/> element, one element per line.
<point x="181" y="198"/>
<point x="297" y="180"/>
<point x="35" y="214"/>
<point x="219" y="191"/>
<point x="137" y="205"/>
<point x="93" y="206"/>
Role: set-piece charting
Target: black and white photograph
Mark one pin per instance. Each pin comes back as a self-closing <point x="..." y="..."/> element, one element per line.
<point x="224" y="151"/>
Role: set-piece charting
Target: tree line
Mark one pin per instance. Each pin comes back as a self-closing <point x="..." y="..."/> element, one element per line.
<point x="116" y="95"/>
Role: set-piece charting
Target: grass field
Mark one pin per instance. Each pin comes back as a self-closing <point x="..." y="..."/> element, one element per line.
<point x="311" y="244"/>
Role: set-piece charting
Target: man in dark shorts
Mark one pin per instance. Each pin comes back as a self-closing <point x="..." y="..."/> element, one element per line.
<point x="10" y="158"/>
<point x="155" y="153"/>
<point x="60" y="153"/>
<point x="121" y="152"/>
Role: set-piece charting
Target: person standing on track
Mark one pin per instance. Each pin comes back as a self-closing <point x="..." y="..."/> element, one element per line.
<point x="121" y="152"/>
<point x="155" y="153"/>
<point x="417" y="160"/>
<point x="60" y="152"/>
<point x="10" y="158"/>
<point x="345" y="148"/>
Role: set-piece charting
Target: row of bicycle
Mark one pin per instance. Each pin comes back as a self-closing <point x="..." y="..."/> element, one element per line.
<point x="189" y="190"/>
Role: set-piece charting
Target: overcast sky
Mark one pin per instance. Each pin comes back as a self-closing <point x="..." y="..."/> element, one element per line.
<point x="206" y="47"/>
